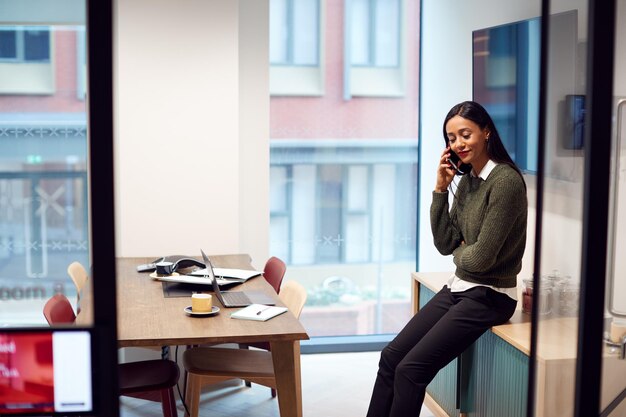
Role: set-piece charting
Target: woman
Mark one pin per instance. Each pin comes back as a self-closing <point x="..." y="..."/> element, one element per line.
<point x="485" y="232"/>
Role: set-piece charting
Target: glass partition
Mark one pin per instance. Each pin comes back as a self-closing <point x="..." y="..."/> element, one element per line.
<point x="43" y="157"/>
<point x="613" y="390"/>
<point x="554" y="293"/>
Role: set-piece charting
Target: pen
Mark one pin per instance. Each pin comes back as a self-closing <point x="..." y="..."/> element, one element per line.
<point x="262" y="310"/>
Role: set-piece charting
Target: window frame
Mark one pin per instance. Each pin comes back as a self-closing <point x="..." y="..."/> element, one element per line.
<point x="29" y="77"/>
<point x="301" y="80"/>
<point x="375" y="81"/>
<point x="371" y="39"/>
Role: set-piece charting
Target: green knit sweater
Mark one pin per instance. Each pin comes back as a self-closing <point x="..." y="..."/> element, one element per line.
<point x="490" y="217"/>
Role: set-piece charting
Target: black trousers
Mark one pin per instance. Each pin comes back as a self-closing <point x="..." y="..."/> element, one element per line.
<point x="438" y="333"/>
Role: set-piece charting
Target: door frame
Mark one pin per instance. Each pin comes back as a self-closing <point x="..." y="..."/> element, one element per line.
<point x="102" y="206"/>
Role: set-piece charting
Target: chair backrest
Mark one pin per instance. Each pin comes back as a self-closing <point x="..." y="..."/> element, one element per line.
<point x="274" y="272"/>
<point x="58" y="310"/>
<point x="294" y="297"/>
<point x="79" y="275"/>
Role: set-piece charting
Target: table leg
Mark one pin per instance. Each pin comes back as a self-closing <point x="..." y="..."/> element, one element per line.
<point x="286" y="359"/>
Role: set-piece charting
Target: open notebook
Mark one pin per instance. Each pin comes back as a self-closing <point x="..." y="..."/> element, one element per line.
<point x="240" y="274"/>
<point x="258" y="312"/>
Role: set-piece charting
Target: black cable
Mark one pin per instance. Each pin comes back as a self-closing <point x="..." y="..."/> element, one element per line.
<point x="182" y="398"/>
<point x="454" y="219"/>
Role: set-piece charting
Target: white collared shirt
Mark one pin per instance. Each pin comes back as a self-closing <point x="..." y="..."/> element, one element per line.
<point x="455" y="283"/>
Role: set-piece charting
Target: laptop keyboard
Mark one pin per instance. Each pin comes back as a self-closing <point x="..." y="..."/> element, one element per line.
<point x="236" y="298"/>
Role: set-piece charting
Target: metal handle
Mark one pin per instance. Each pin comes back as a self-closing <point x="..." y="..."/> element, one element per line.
<point x="620" y="347"/>
<point x="611" y="264"/>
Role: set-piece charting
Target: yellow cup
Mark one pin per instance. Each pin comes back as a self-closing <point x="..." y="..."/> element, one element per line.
<point x="618" y="330"/>
<point x="201" y="303"/>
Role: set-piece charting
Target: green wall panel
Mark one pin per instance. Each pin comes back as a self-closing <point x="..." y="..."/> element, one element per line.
<point x="495" y="377"/>
<point x="498" y="380"/>
<point x="443" y="388"/>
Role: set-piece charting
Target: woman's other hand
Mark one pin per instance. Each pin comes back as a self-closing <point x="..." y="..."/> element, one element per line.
<point x="445" y="173"/>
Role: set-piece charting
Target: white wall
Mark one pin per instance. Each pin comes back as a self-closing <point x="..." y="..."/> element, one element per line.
<point x="191" y="127"/>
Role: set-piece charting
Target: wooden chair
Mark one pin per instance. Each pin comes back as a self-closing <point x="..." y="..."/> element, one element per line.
<point x="274" y="272"/>
<point x="78" y="273"/>
<point x="209" y="365"/>
<point x="79" y="276"/>
<point x="134" y="377"/>
<point x="58" y="310"/>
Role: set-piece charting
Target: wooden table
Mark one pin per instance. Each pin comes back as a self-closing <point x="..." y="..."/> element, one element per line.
<point x="146" y="318"/>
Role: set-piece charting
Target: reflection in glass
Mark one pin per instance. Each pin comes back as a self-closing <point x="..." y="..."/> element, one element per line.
<point x="43" y="167"/>
<point x="562" y="214"/>
<point x="506" y="82"/>
<point x="613" y="392"/>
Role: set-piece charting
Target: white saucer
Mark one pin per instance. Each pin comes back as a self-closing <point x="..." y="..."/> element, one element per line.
<point x="213" y="311"/>
<point x="155" y="276"/>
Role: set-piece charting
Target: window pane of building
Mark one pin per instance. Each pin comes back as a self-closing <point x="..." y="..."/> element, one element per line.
<point x="8" y="43"/>
<point x="278" y="189"/>
<point x="386" y="33"/>
<point x="279" y="230"/>
<point x="357" y="188"/>
<point x="329" y="199"/>
<point x="383" y="188"/>
<point x="36" y="44"/>
<point x="357" y="235"/>
<point x="279" y="32"/>
<point x="303" y="211"/>
<point x="305" y="32"/>
<point x="360" y="32"/>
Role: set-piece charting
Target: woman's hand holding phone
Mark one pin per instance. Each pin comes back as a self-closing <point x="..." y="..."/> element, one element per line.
<point x="445" y="172"/>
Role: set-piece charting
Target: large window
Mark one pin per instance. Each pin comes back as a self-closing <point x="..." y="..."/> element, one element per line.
<point x="343" y="185"/>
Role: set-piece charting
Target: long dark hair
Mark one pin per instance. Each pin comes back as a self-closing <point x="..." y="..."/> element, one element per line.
<point x="473" y="111"/>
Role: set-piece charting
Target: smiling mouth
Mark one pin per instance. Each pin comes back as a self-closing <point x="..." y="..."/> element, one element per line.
<point x="462" y="154"/>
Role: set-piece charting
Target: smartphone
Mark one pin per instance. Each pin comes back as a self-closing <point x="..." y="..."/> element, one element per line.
<point x="457" y="165"/>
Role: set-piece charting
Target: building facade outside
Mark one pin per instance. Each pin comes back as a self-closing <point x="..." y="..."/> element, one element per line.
<point x="343" y="179"/>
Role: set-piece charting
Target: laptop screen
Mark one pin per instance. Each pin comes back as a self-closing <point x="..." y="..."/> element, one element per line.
<point x="45" y="372"/>
<point x="210" y="275"/>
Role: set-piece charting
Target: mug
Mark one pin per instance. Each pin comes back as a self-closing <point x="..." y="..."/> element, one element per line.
<point x="201" y="303"/>
<point x="164" y="268"/>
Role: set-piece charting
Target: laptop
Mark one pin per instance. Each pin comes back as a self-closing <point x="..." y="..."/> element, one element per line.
<point x="235" y="298"/>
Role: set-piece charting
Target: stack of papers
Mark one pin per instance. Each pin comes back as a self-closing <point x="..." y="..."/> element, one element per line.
<point x="258" y="312"/>
<point x="241" y="274"/>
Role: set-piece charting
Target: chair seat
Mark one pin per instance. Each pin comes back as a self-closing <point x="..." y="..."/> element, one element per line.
<point x="147" y="375"/>
<point x="228" y="362"/>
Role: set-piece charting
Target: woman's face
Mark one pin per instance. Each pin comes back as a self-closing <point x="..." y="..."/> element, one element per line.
<point x="468" y="141"/>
